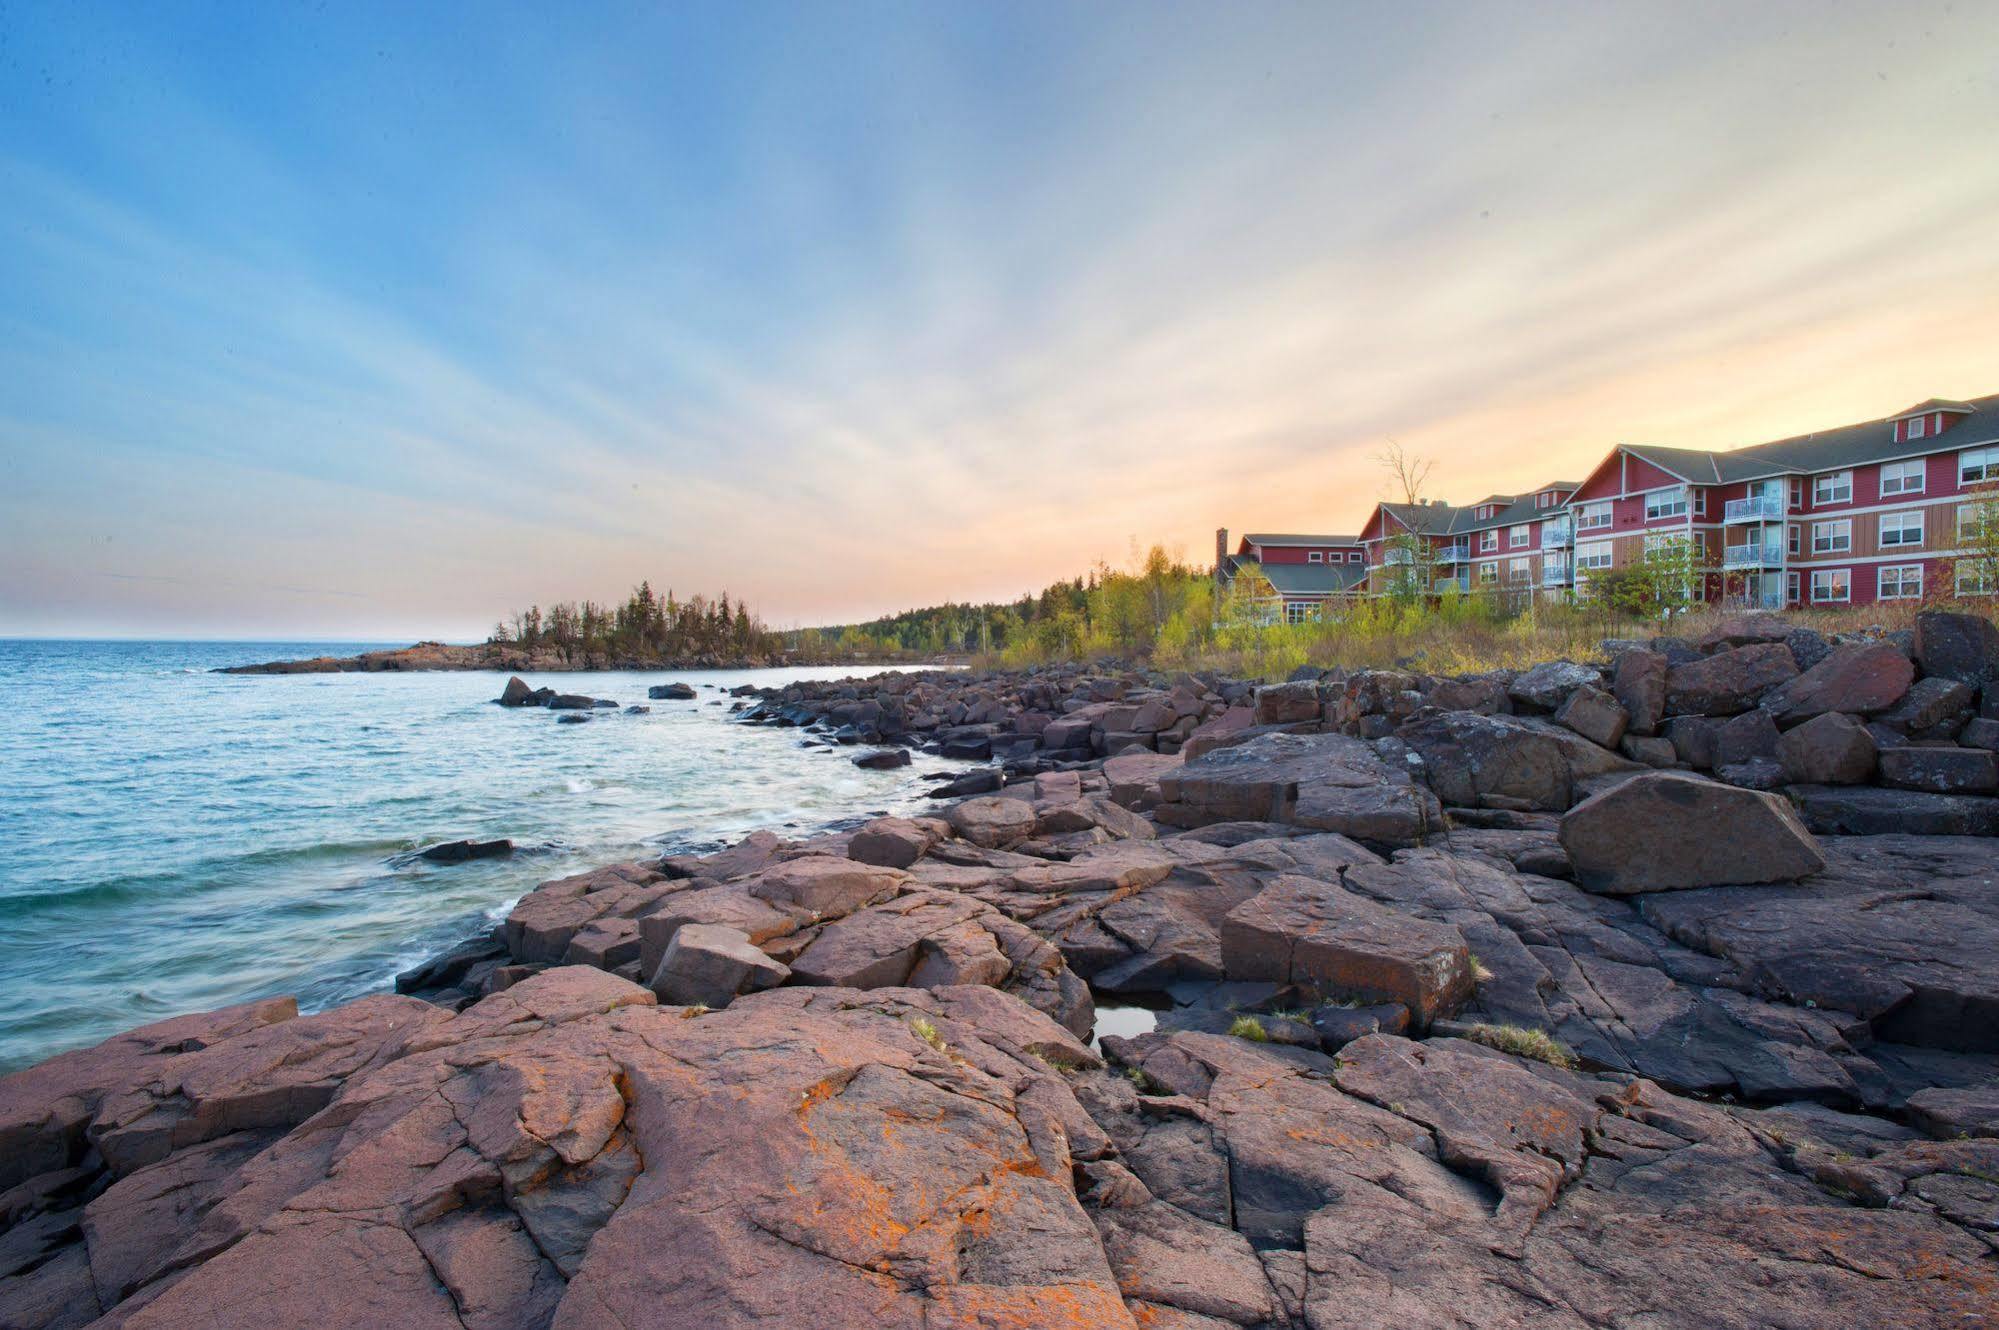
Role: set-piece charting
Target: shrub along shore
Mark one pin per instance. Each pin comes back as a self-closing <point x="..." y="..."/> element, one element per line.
<point x="1578" y="994"/>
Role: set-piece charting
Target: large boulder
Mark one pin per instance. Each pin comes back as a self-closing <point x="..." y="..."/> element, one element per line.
<point x="1638" y="682"/>
<point x="709" y="965"/>
<point x="1858" y="678"/>
<point x="1518" y="763"/>
<point x="1549" y="684"/>
<point x="1134" y="777"/>
<point x="1933" y="708"/>
<point x="1665" y="830"/>
<point x="670" y="692"/>
<point x="1337" y="944"/>
<point x="1595" y="715"/>
<point x="1871" y="810"/>
<point x="1833" y="749"/>
<point x="516" y="693"/>
<point x="1941" y="770"/>
<point x="894" y="842"/>
<point x="1288" y="703"/>
<point x="1728" y="681"/>
<point x="1957" y="646"/>
<point x="818" y="886"/>
<point x="994" y="821"/>
<point x="1330" y="781"/>
<point x="1745" y="738"/>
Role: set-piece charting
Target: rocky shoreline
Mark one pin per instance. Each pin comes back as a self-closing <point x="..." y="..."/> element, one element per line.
<point x="1661" y="990"/>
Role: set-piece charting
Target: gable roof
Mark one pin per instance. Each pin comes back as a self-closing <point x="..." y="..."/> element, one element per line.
<point x="1314" y="579"/>
<point x="1284" y="541"/>
<point x="1935" y="404"/>
<point x="1823" y="450"/>
<point x="1299" y="579"/>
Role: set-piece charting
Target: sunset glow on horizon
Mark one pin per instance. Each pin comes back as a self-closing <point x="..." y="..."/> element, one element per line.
<point x="379" y="322"/>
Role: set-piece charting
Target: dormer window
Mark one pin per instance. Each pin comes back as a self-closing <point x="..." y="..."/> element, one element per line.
<point x="1919" y="427"/>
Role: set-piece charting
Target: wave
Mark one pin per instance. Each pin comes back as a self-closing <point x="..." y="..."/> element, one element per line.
<point x="195" y="880"/>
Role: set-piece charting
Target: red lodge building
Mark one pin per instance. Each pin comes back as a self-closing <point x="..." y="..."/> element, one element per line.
<point x="1900" y="508"/>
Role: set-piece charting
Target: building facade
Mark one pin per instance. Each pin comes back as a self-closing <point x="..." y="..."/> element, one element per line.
<point x="1897" y="509"/>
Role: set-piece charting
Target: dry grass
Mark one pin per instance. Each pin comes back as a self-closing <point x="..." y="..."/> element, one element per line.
<point x="1522" y="1042"/>
<point x="925" y="1030"/>
<point x="1471" y="638"/>
<point x="1250" y="1028"/>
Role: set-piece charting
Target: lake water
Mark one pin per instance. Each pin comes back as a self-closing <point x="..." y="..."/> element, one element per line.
<point x="173" y="840"/>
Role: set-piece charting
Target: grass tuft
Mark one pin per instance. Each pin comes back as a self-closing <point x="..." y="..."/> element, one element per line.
<point x="927" y="1032"/>
<point x="1250" y="1028"/>
<point x="1522" y="1042"/>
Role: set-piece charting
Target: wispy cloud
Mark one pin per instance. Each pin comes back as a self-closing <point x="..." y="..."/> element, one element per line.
<point x="846" y="314"/>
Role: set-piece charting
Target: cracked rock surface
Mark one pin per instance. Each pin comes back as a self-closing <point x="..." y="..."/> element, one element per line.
<point x="1412" y="1065"/>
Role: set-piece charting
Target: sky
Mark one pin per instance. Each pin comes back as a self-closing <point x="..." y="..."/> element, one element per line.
<point x="378" y="321"/>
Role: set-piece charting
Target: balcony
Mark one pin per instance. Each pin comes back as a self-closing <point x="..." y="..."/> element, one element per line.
<point x="1555" y="574"/>
<point x="1756" y="508"/>
<point x="1449" y="554"/>
<point x="1768" y="555"/>
<point x="1397" y="556"/>
<point x="1557" y="532"/>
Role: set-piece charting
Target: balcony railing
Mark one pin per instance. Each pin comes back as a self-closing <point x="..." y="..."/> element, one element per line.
<point x="1756" y="508"/>
<point x="1555" y="574"/>
<point x="1397" y="556"/>
<point x="1557" y="532"/>
<point x="1453" y="553"/>
<point x="1752" y="556"/>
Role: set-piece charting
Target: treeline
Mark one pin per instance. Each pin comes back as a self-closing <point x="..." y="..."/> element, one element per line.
<point x="1104" y="612"/>
<point x="646" y="626"/>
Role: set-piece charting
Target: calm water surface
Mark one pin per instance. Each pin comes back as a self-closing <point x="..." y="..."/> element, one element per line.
<point x="172" y="840"/>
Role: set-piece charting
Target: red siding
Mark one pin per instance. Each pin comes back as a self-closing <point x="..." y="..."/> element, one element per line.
<point x="1640" y="474"/>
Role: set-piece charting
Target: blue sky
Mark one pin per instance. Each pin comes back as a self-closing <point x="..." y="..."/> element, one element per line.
<point x="336" y="319"/>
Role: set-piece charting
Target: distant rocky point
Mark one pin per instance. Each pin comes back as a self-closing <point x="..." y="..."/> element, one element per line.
<point x="494" y="656"/>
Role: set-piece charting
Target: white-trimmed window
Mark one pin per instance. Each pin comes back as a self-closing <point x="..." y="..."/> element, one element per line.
<point x="1791" y="536"/>
<point x="1700" y="503"/>
<point x="1832" y="537"/>
<point x="1919" y="427"/>
<point x="1974" y="520"/>
<point x="1488" y="540"/>
<point x="1316" y="556"/>
<point x="1660" y="504"/>
<point x="1516" y="536"/>
<point x="1976" y="577"/>
<point x="1832" y="487"/>
<point x="1797" y="491"/>
<point x="1901" y="530"/>
<point x="1791" y="587"/>
<point x="1591" y="516"/>
<point x="1902" y="478"/>
<point x="1593" y="556"/>
<point x="1831" y="585"/>
<point x="1975" y="465"/>
<point x="1297" y="611"/>
<point x="1901" y="581"/>
<point x="1488" y="573"/>
<point x="1518" y="573"/>
<point x="1355" y="556"/>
